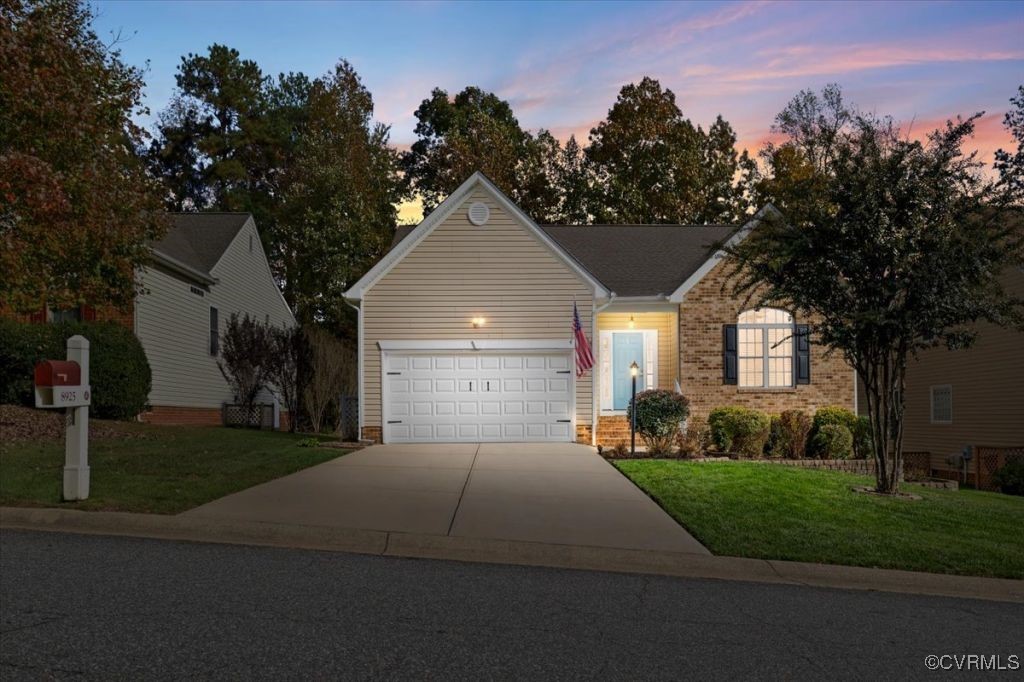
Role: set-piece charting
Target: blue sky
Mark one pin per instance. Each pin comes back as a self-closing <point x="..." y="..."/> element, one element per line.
<point x="561" y="64"/>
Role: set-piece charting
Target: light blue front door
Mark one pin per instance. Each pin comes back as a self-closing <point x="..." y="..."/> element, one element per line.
<point x="627" y="348"/>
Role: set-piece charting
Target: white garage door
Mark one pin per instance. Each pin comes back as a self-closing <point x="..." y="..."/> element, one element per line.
<point x="477" y="396"/>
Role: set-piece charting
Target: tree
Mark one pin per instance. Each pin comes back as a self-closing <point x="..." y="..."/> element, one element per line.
<point x="576" y="182"/>
<point x="208" y="139"/>
<point x="332" y="373"/>
<point x="76" y="206"/>
<point x="289" y="360"/>
<point x="901" y="252"/>
<point x="338" y="200"/>
<point x="1011" y="165"/>
<point x="474" y="131"/>
<point x="726" y="178"/>
<point x="245" y="361"/>
<point x="651" y="165"/>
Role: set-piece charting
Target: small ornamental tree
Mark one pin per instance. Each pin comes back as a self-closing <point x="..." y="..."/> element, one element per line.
<point x="245" y="359"/>
<point x="289" y="353"/>
<point x="900" y="249"/>
<point x="659" y="415"/>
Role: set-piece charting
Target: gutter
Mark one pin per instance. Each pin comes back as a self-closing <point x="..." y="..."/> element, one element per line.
<point x="182" y="268"/>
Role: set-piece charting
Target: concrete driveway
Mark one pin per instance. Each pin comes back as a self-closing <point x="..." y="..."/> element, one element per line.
<point x="532" y="492"/>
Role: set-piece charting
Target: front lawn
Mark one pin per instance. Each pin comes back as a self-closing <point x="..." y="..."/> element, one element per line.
<point x="157" y="469"/>
<point x="776" y="512"/>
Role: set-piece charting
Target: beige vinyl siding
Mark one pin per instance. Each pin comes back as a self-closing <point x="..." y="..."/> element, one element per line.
<point x="173" y="323"/>
<point x="499" y="271"/>
<point x="667" y="327"/>
<point x="987" y="383"/>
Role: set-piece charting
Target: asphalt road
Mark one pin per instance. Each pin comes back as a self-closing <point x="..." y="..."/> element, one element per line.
<point x="117" y="608"/>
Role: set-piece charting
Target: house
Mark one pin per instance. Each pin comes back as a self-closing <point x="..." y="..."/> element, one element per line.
<point x="207" y="266"/>
<point x="971" y="398"/>
<point x="465" y="328"/>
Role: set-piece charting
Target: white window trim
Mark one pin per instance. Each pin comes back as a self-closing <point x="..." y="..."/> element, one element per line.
<point x="931" y="404"/>
<point x="606" y="370"/>
<point x="766" y="354"/>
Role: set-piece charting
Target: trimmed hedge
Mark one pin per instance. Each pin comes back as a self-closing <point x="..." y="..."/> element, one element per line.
<point x="739" y="430"/>
<point x="833" y="441"/>
<point x="833" y="414"/>
<point x="659" y="415"/>
<point x="118" y="369"/>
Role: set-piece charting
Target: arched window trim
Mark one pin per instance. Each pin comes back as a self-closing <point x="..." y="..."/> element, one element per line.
<point x="769" y="355"/>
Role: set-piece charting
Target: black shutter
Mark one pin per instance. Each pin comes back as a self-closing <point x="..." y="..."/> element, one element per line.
<point x="802" y="348"/>
<point x="730" y="362"/>
<point x="214" y="332"/>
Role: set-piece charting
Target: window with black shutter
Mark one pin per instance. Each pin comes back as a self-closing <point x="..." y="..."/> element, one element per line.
<point x="214" y="332"/>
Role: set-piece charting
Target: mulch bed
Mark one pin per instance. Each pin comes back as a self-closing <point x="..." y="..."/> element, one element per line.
<point x="20" y="424"/>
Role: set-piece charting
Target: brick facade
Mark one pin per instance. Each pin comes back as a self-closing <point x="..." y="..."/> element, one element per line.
<point x="125" y="318"/>
<point x="371" y="433"/>
<point x="705" y="309"/>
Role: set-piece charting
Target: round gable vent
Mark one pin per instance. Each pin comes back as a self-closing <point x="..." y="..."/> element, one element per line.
<point x="479" y="213"/>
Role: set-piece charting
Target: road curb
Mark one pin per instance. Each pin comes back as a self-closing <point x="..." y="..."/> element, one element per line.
<point x="393" y="544"/>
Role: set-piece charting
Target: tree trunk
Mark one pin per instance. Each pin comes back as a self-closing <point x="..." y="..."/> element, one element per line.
<point x="884" y="382"/>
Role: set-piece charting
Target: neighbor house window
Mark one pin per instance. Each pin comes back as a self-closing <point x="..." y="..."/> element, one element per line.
<point x="942" y="404"/>
<point x="765" y="348"/>
<point x="214" y="332"/>
<point x="65" y="315"/>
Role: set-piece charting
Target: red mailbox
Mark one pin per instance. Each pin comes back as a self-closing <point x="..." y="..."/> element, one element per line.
<point x="58" y="373"/>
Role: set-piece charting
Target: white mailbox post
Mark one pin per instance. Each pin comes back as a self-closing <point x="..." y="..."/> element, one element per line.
<point x="66" y="384"/>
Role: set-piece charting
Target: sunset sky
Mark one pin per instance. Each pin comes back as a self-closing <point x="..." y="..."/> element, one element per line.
<point x="562" y="64"/>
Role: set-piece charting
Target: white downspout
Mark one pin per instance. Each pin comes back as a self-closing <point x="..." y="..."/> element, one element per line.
<point x="597" y="367"/>
<point x="359" y="370"/>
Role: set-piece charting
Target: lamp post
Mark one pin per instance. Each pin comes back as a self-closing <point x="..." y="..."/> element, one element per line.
<point x="634" y="369"/>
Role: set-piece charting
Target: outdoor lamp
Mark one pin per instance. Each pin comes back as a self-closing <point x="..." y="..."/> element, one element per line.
<point x="634" y="369"/>
<point x="632" y="323"/>
<point x="478" y="322"/>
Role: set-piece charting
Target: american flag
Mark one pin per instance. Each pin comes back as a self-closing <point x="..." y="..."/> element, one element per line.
<point x="584" y="356"/>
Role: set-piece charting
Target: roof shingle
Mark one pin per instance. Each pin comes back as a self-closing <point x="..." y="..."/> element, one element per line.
<point x="199" y="239"/>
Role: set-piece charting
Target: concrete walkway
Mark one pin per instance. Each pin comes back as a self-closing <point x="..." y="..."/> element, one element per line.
<point x="551" y="493"/>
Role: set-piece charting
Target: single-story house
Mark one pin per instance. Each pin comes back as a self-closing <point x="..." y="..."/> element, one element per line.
<point x="466" y="328"/>
<point x="207" y="267"/>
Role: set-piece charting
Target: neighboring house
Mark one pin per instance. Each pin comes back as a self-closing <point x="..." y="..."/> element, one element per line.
<point x="207" y="266"/>
<point x="465" y="328"/>
<point x="968" y="398"/>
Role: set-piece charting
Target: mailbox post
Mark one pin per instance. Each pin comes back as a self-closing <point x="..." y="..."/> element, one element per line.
<point x="76" y="436"/>
<point x="66" y="384"/>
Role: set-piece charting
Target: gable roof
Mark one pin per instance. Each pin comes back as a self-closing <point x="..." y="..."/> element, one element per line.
<point x="195" y="242"/>
<point x="669" y="253"/>
<point x="442" y="212"/>
<point x="640" y="260"/>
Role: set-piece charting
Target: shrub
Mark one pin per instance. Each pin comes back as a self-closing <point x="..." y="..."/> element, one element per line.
<point x="620" y="449"/>
<point x="309" y="442"/>
<point x="833" y="441"/>
<point x="21" y="347"/>
<point x="1010" y="477"/>
<point x="833" y="414"/>
<point x="862" y="447"/>
<point x="118" y="370"/>
<point x="659" y="414"/>
<point x="789" y="434"/>
<point x="739" y="430"/>
<point x="695" y="439"/>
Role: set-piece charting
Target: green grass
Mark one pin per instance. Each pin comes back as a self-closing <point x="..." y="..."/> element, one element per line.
<point x="777" y="512"/>
<point x="156" y="469"/>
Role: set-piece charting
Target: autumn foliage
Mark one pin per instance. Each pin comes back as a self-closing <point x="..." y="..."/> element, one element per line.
<point x="76" y="207"/>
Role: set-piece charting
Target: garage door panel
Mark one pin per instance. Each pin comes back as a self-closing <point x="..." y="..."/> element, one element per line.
<point x="485" y="396"/>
